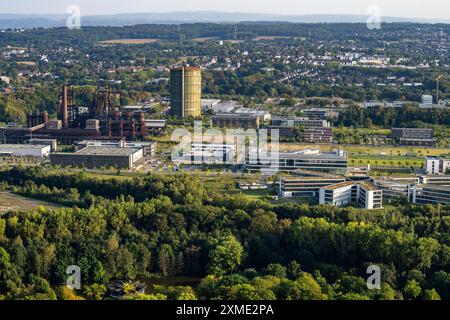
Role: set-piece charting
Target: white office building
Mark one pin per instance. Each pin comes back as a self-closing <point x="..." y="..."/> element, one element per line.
<point x="364" y="194"/>
<point x="25" y="150"/>
<point x="436" y="165"/>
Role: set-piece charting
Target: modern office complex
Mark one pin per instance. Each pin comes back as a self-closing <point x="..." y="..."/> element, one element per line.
<point x="209" y="154"/>
<point x="306" y="185"/>
<point x="413" y="136"/>
<point x="186" y="91"/>
<point x="395" y="190"/>
<point x="332" y="162"/>
<point x="432" y="194"/>
<point x="364" y="194"/>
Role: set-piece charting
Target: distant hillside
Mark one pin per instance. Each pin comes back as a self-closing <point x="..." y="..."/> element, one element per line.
<point x="50" y="21"/>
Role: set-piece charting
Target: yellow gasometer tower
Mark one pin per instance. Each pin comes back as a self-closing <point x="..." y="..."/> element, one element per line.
<point x="186" y="92"/>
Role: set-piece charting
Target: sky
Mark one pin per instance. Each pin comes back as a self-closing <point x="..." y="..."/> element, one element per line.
<point x="436" y="9"/>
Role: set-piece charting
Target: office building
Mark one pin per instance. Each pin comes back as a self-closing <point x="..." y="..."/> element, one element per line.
<point x="413" y="136"/>
<point x="395" y="190"/>
<point x="437" y="165"/>
<point x="262" y="115"/>
<point x="186" y="92"/>
<point x="432" y="194"/>
<point x="313" y="160"/>
<point x="364" y="194"/>
<point x="435" y="180"/>
<point x="317" y="135"/>
<point x="306" y="186"/>
<point x="300" y="122"/>
<point x="240" y="121"/>
<point x="209" y="154"/>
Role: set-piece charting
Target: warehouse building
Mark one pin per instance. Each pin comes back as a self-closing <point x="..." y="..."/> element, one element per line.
<point x="98" y="157"/>
<point x="25" y="150"/>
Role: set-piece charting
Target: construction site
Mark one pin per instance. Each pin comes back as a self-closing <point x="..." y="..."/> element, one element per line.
<point x="99" y="121"/>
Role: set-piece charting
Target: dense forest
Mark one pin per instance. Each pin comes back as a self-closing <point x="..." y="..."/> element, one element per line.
<point x="171" y="225"/>
<point x="56" y="37"/>
<point x="393" y="117"/>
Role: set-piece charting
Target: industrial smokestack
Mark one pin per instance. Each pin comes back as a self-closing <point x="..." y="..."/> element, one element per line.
<point x="65" y="111"/>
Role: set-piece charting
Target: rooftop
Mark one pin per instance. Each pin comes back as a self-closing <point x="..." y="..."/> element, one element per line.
<point x="340" y="185"/>
<point x="107" y="151"/>
<point x="368" y="186"/>
<point x="23" y="146"/>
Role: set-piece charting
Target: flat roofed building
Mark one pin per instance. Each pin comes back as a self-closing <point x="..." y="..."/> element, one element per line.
<point x="316" y="113"/>
<point x="300" y="122"/>
<point x="395" y="189"/>
<point x="413" y="136"/>
<point x="318" y="135"/>
<point x="150" y="148"/>
<point x="432" y="194"/>
<point x="305" y="186"/>
<point x="53" y="143"/>
<point x="262" y="115"/>
<point x="243" y="121"/>
<point x="364" y="193"/>
<point x="96" y="157"/>
<point x="314" y="160"/>
<point x="25" y="150"/>
<point x="437" y="180"/>
<point x="211" y="154"/>
<point x="437" y="165"/>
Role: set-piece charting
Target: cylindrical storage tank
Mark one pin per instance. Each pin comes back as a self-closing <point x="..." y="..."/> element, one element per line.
<point x="186" y="91"/>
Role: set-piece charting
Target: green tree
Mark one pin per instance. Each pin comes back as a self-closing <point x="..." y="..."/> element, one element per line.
<point x="412" y="289"/>
<point x="305" y="288"/>
<point x="225" y="257"/>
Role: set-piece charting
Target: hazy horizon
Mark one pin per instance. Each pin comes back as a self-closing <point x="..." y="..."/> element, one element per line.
<point x="424" y="9"/>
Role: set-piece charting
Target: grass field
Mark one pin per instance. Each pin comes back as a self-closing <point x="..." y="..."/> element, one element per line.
<point x="10" y="202"/>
